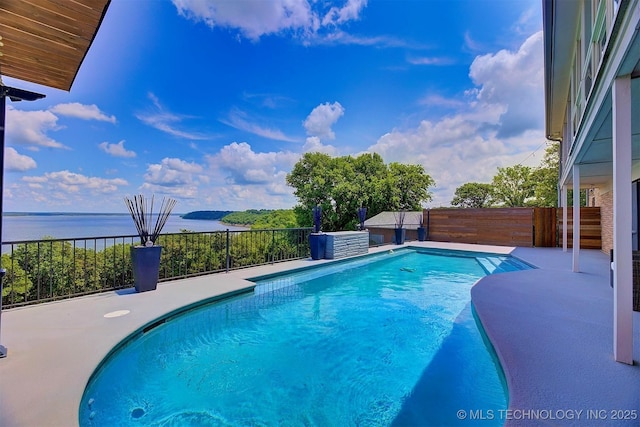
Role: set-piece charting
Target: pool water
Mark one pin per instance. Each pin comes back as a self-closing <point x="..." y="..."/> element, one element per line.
<point x="388" y="340"/>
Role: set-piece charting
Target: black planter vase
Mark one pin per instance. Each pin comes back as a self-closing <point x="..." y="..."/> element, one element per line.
<point x="317" y="242"/>
<point x="145" y="262"/>
<point x="422" y="234"/>
<point x="400" y="235"/>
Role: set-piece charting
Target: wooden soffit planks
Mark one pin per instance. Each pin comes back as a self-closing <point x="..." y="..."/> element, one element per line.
<point x="45" y="41"/>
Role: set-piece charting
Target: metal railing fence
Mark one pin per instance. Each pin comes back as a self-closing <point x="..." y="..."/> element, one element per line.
<point x="46" y="270"/>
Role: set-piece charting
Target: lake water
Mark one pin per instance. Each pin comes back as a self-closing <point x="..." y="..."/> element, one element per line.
<point x="62" y="226"/>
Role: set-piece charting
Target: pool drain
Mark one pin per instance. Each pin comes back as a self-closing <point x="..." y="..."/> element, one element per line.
<point x="137" y="413"/>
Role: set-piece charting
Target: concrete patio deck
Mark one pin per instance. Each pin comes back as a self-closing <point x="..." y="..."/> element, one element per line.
<point x="551" y="328"/>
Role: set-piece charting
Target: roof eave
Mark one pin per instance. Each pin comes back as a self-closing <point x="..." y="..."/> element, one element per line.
<point x="559" y="45"/>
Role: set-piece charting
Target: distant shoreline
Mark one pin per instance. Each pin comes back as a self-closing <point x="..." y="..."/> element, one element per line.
<point x="60" y="213"/>
<point x="71" y="214"/>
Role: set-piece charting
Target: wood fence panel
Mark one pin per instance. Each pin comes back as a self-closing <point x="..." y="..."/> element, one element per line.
<point x="494" y="226"/>
<point x="545" y="227"/>
<point x="590" y="228"/>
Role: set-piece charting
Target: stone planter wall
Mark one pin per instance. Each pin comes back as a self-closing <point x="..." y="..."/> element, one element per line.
<point x="346" y="243"/>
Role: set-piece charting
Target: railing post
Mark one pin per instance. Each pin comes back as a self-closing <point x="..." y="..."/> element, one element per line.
<point x="3" y="349"/>
<point x="228" y="259"/>
<point x="273" y="246"/>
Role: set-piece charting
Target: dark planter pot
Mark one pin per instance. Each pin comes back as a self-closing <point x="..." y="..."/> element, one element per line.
<point x="400" y="235"/>
<point x="145" y="262"/>
<point x="422" y="234"/>
<point x="318" y="242"/>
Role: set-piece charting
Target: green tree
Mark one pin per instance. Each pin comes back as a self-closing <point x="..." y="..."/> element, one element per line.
<point x="341" y="185"/>
<point x="58" y="268"/>
<point x="473" y="195"/>
<point x="546" y="177"/>
<point x="282" y="218"/>
<point x="546" y="180"/>
<point x="411" y="186"/>
<point x="513" y="186"/>
<point x="312" y="183"/>
<point x="16" y="282"/>
<point x="583" y="198"/>
<point x="248" y="217"/>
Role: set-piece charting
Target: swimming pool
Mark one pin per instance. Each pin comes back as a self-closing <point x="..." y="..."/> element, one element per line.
<point x="383" y="340"/>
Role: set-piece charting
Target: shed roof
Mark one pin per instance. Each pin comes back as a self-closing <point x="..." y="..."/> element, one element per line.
<point x="45" y="41"/>
<point x="388" y="220"/>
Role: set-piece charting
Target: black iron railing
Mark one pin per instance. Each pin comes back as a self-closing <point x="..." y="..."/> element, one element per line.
<point x="46" y="270"/>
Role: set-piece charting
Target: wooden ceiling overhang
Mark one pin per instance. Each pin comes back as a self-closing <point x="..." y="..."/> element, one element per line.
<point x="45" y="41"/>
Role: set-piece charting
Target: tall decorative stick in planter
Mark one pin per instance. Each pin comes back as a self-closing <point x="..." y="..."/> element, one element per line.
<point x="145" y="258"/>
<point x="317" y="218"/>
<point x="362" y="216"/>
<point x="317" y="240"/>
<point x="422" y="232"/>
<point x="400" y="232"/>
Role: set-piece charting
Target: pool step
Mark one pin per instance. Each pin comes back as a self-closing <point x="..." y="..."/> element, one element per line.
<point x="501" y="264"/>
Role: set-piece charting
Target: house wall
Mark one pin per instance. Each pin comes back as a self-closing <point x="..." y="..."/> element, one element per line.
<point x="605" y="201"/>
<point x="596" y="21"/>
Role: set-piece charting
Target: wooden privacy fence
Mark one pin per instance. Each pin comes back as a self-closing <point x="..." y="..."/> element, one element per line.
<point x="590" y="228"/>
<point x="494" y="226"/>
<point x="526" y="227"/>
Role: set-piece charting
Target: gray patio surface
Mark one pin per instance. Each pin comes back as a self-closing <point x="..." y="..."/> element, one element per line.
<point x="553" y="332"/>
<point x="551" y="328"/>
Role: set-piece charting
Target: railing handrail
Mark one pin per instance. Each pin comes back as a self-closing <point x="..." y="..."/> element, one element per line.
<point x="127" y="236"/>
<point x="57" y="268"/>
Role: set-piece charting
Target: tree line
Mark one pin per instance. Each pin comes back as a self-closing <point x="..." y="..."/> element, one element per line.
<point x="517" y="186"/>
<point x="340" y="185"/>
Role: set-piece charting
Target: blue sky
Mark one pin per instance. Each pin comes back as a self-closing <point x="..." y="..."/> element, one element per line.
<point x="213" y="102"/>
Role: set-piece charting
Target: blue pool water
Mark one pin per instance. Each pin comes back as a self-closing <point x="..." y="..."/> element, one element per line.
<point x="387" y="340"/>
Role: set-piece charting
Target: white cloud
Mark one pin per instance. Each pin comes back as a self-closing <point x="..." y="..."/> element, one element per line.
<point x="241" y="165"/>
<point x="498" y="124"/>
<point x="528" y="22"/>
<point x="165" y="121"/>
<point x="116" y="150"/>
<point x="71" y="183"/>
<point x="441" y="101"/>
<point x="240" y="178"/>
<point x="430" y="60"/>
<point x="314" y="145"/>
<point x="254" y="19"/>
<point x="338" y="37"/>
<point x="30" y="128"/>
<point x="322" y="118"/>
<point x="65" y="190"/>
<point x="81" y="111"/>
<point x="16" y="162"/>
<point x="514" y="80"/>
<point x="339" y="15"/>
<point x="237" y="119"/>
<point x="472" y="44"/>
<point x="276" y="195"/>
<point x="174" y="177"/>
<point x="172" y="172"/>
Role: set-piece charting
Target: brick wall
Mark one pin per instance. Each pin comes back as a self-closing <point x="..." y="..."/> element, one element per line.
<point x="605" y="201"/>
